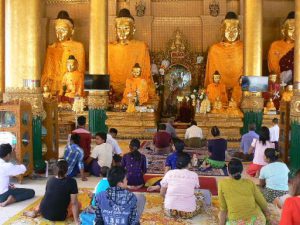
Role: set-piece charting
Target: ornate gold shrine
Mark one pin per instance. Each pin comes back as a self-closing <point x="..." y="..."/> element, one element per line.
<point x="179" y="71"/>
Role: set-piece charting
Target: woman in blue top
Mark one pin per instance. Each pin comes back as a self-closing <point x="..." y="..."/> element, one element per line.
<point x="274" y="176"/>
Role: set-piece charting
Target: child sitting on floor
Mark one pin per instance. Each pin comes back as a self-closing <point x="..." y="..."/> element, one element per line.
<point x="117" y="160"/>
<point x="88" y="215"/>
<point x="117" y="205"/>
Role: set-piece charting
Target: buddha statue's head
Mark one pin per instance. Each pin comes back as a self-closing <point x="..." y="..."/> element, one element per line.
<point x="288" y="28"/>
<point x="72" y="63"/>
<point x="216" y="77"/>
<point x="125" y="26"/>
<point x="289" y="88"/>
<point x="231" y="28"/>
<point x="45" y="88"/>
<point x="273" y="77"/>
<point x="136" y="71"/>
<point x="64" y="26"/>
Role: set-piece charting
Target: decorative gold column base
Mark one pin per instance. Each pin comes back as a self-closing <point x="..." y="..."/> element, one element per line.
<point x="98" y="99"/>
<point x="252" y="102"/>
<point x="295" y="107"/>
<point x="33" y="96"/>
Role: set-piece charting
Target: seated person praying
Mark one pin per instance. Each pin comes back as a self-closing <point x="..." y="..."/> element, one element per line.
<point x="74" y="156"/>
<point x="60" y="198"/>
<point x="88" y="216"/>
<point x="8" y="192"/>
<point x="136" y="165"/>
<point x="216" y="150"/>
<point x="101" y="155"/>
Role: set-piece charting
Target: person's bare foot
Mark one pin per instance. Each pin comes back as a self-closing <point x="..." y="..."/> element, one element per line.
<point x="153" y="188"/>
<point x="31" y="214"/>
<point x="8" y="201"/>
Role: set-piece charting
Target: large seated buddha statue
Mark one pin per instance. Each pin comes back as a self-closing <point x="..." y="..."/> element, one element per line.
<point x="124" y="53"/>
<point x="135" y="87"/>
<point x="281" y="47"/>
<point x="227" y="55"/>
<point x="58" y="53"/>
<point x="217" y="90"/>
<point x="72" y="82"/>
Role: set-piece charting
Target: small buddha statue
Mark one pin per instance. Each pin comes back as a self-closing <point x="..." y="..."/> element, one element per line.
<point x="287" y="94"/>
<point x="217" y="106"/>
<point x="217" y="90"/>
<point x="281" y="47"/>
<point x="131" y="103"/>
<point x="136" y="86"/>
<point x="270" y="107"/>
<point x="205" y="106"/>
<point x="58" y="53"/>
<point x="125" y="52"/>
<point x="273" y="90"/>
<point x="233" y="108"/>
<point x="46" y="92"/>
<point x="227" y="55"/>
<point x="72" y="82"/>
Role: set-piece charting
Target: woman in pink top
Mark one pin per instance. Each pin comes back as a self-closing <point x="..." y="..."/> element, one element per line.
<point x="178" y="187"/>
<point x="258" y="147"/>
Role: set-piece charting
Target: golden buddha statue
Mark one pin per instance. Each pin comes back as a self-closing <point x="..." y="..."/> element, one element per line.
<point x="218" y="107"/>
<point x="136" y="86"/>
<point x="124" y="53"/>
<point x="287" y="94"/>
<point x="281" y="47"/>
<point x="217" y="90"/>
<point x="237" y="92"/>
<point x="233" y="109"/>
<point x="227" y="55"/>
<point x="73" y="80"/>
<point x="270" y="107"/>
<point x="58" y="53"/>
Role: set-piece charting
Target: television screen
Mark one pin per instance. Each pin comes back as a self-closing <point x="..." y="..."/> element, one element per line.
<point x="96" y="82"/>
<point x="255" y="83"/>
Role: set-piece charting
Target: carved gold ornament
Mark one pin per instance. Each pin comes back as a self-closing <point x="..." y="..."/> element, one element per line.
<point x="32" y="96"/>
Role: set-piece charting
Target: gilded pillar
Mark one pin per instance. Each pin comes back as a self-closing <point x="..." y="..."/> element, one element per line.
<point x="98" y="37"/>
<point x="23" y="63"/>
<point x="295" y="103"/>
<point x="98" y="99"/>
<point x="253" y="37"/>
<point x="252" y="103"/>
<point x="22" y="47"/>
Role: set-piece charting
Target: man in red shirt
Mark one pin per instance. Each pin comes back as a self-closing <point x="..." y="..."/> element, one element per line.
<point x="162" y="140"/>
<point x="85" y="137"/>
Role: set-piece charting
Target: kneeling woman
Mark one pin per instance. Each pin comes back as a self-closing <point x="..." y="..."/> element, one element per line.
<point x="60" y="196"/>
<point x="241" y="202"/>
<point x="178" y="187"/>
<point x="216" y="148"/>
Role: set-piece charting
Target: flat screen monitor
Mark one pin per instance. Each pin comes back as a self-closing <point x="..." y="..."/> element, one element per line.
<point x="96" y="82"/>
<point x="255" y="83"/>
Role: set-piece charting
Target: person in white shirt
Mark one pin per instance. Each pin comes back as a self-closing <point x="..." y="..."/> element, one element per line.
<point x="112" y="134"/>
<point x="8" y="192"/>
<point x="101" y="155"/>
<point x="194" y="136"/>
<point x="274" y="133"/>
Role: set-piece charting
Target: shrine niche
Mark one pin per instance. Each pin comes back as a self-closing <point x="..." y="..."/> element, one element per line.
<point x="176" y="71"/>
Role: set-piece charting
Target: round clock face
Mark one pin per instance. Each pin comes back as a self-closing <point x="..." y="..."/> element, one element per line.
<point x="178" y="77"/>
